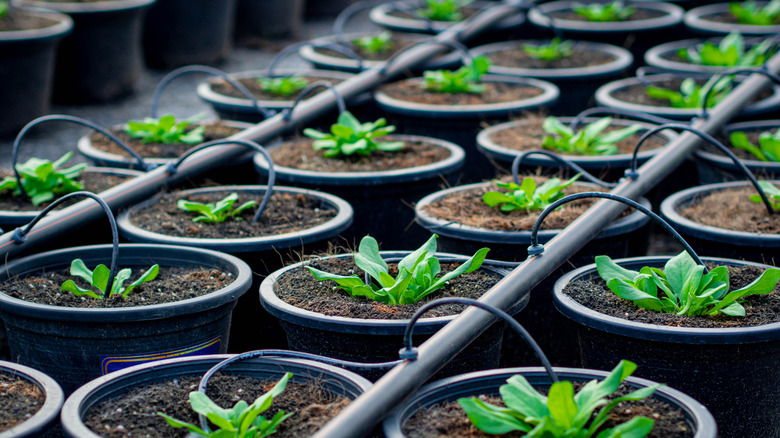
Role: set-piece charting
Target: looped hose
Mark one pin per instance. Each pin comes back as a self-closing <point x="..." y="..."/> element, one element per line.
<point x="603" y="110"/>
<point x="465" y="55"/>
<point x="763" y="71"/>
<point x="319" y="84"/>
<point x="289" y="50"/>
<point x="519" y="159"/>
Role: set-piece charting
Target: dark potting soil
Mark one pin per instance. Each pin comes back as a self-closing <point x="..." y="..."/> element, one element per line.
<point x="134" y="414"/>
<point x="299" y="288"/>
<point x="636" y="93"/>
<point x="530" y="135"/>
<point x="20" y="20"/>
<point x="251" y="84"/>
<point x="285" y="213"/>
<point x="723" y="17"/>
<point x="213" y="131"/>
<point x="400" y="43"/>
<point x="732" y="209"/>
<point x="759" y="309"/>
<point x="93" y="182"/>
<point x="640" y="14"/>
<point x="580" y="57"/>
<point x="19" y="400"/>
<point x="299" y="153"/>
<point x="450" y="420"/>
<point x="466" y="12"/>
<point x="172" y="284"/>
<point x="411" y="90"/>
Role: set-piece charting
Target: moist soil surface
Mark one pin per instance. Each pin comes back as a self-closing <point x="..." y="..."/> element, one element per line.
<point x="93" y="182"/>
<point x="400" y="43"/>
<point x="251" y="84"/>
<point x="732" y="209"/>
<point x="640" y="14"/>
<point x="530" y="135"/>
<point x="759" y="309"/>
<point x="636" y="93"/>
<point x="448" y="419"/>
<point x="172" y="284"/>
<point x="19" y="400"/>
<point x="299" y="288"/>
<point x="213" y="131"/>
<point x="299" y="154"/>
<point x="411" y="90"/>
<point x="285" y="213"/>
<point x="20" y="20"/>
<point x="580" y="57"/>
<point x="466" y="12"/>
<point x="134" y="414"/>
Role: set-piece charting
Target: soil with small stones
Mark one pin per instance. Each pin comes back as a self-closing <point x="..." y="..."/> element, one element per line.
<point x="636" y="93"/>
<point x="93" y="182"/>
<point x="448" y="419"/>
<point x="134" y="414"/>
<point x="285" y="213"/>
<point x="251" y="84"/>
<point x="400" y="43"/>
<point x="19" y="400"/>
<point x="411" y="90"/>
<point x="20" y="20"/>
<point x="171" y="285"/>
<point x="640" y="14"/>
<point x="466" y="207"/>
<point x="213" y="131"/>
<point x="299" y="288"/>
<point x="759" y="309"/>
<point x="299" y="154"/>
<point x="530" y="135"/>
<point x="732" y="209"/>
<point x="580" y="57"/>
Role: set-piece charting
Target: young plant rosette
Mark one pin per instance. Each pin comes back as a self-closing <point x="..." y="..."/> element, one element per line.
<point x="714" y="167"/>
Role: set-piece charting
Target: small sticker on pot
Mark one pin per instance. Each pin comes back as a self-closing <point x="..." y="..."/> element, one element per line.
<point x="109" y="364"/>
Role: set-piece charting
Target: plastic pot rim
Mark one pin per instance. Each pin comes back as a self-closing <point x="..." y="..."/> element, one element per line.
<point x="79" y="8"/>
<point x="720" y="161"/>
<point x="694" y="19"/>
<point x="655" y="57"/>
<point x="328" y="229"/>
<point x="381" y="15"/>
<point x="658" y="333"/>
<point x="50" y="409"/>
<point x="62" y="27"/>
<point x="673" y="15"/>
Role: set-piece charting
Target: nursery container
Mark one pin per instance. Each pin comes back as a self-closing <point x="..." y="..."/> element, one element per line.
<point x="268" y="19"/>
<point x="715" y="167"/>
<point x="664" y="56"/>
<point x="46" y="418"/>
<point x="715" y="19"/>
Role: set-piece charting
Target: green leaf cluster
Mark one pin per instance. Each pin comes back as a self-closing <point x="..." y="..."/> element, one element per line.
<point x="686" y="289"/>
<point x="527" y="196"/>
<point x="555" y="50"/>
<point x="462" y="80"/>
<point x="3" y="8"/>
<point x="587" y="141"/>
<point x="562" y="413"/>
<point x="98" y="279"/>
<point x="614" y="11"/>
<point x="729" y="52"/>
<point x="417" y="273"/>
<point x="772" y="193"/>
<point x="443" y="10"/>
<point x="215" y="212"/>
<point x="282" y="86"/>
<point x="165" y="130"/>
<point x="375" y="44"/>
<point x="348" y="136"/>
<point x="768" y="148"/>
<point x="241" y="421"/>
<point x="691" y="95"/>
<point x="749" y="12"/>
<point x="43" y="180"/>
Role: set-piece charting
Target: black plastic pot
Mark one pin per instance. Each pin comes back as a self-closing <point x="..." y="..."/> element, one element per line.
<point x="28" y="73"/>
<point x="325" y="8"/>
<point x="43" y="421"/>
<point x="115" y="385"/>
<point x="181" y="32"/>
<point x="75" y="345"/>
<point x="730" y="370"/>
<point x="664" y="56"/>
<point x="268" y="19"/>
<point x="488" y="382"/>
<point x="101" y="60"/>
<point x="703" y="20"/>
<point x="714" y="167"/>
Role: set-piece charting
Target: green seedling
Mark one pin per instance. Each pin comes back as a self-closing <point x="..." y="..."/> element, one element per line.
<point x="283" y="86"/>
<point x="43" y="180"/>
<point x="771" y="191"/>
<point x="3" y="8"/>
<point x="527" y="196"/>
<point x="375" y="44"/>
<point x="555" y="50"/>
<point x="443" y="10"/>
<point x="462" y="80"/>
<point x="98" y="279"/>
<point x="750" y="12"/>
<point x="241" y="421"/>
<point x="417" y="274"/>
<point x="165" y="130"/>
<point x="562" y="413"/>
<point x="215" y="212"/>
<point x="615" y="11"/>
<point x="349" y="136"/>
<point x="587" y="141"/>
<point x="686" y="290"/>
<point x="729" y="52"/>
<point x="691" y="95"/>
<point x="768" y="148"/>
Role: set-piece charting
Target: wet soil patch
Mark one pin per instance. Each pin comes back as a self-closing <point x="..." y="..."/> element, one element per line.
<point x="21" y="20"/>
<point x="636" y="93"/>
<point x="251" y="84"/>
<point x="20" y="399"/>
<point x="732" y="209"/>
<point x="759" y="309"/>
<point x="134" y="414"/>
<point x="411" y="90"/>
<point x="580" y="57"/>
<point x="93" y="182"/>
<point x="299" y="288"/>
<point x="640" y="14"/>
<point x="285" y="213"/>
